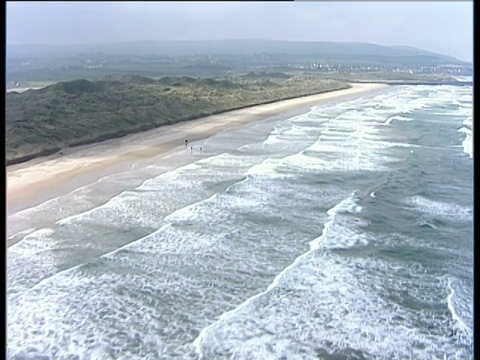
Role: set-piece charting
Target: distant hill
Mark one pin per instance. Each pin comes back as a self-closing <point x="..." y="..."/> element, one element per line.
<point x="263" y="74"/>
<point x="75" y="87"/>
<point x="232" y="47"/>
<point x="136" y="79"/>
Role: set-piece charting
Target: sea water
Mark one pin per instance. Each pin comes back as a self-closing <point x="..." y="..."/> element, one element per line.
<point x="342" y="232"/>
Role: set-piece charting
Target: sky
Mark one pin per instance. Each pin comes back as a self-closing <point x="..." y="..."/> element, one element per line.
<point x="438" y="26"/>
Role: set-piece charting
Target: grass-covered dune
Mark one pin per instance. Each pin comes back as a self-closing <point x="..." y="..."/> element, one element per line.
<point x="66" y="114"/>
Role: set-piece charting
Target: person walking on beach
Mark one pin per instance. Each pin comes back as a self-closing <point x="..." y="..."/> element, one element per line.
<point x="191" y="149"/>
<point x="186" y="143"/>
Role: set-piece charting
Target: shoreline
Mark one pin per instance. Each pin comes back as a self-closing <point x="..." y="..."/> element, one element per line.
<point x="34" y="181"/>
<point x="96" y="140"/>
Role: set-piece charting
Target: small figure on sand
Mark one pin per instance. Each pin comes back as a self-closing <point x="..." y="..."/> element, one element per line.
<point x="191" y="149"/>
<point x="186" y="143"/>
<point x="201" y="149"/>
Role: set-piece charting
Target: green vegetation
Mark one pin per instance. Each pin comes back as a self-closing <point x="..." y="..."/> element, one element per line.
<point x="65" y="114"/>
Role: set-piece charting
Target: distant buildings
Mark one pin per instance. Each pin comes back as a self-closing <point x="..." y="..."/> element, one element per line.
<point x="92" y="64"/>
<point x="411" y="69"/>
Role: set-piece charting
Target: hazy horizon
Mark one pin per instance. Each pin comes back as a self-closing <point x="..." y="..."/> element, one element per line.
<point x="441" y="27"/>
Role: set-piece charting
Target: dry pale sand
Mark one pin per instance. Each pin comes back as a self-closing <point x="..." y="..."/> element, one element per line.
<point x="41" y="179"/>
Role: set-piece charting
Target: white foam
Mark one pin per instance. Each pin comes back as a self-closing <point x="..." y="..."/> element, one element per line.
<point x="77" y="201"/>
<point x="127" y="211"/>
<point x="22" y="272"/>
<point x="303" y="162"/>
<point x="356" y="140"/>
<point x="467" y="143"/>
<point x="290" y="137"/>
<point x="468" y="121"/>
<point x="21" y="233"/>
<point x="191" y="212"/>
<point x="367" y="156"/>
<point x="35" y="242"/>
<point x="134" y="244"/>
<point x="348" y="205"/>
<point x="356" y="144"/>
<point x="69" y="319"/>
<point x="271" y="139"/>
<point x="225" y="161"/>
<point x="397" y="118"/>
<point x="222" y="207"/>
<point x="42" y="214"/>
<point x="453" y="311"/>
<point x="468" y="146"/>
<point x="301" y="131"/>
<point x="91" y="307"/>
<point x="205" y="331"/>
<point x="335" y="230"/>
<point x="266" y="168"/>
<point x="145" y="205"/>
<point x="465" y="131"/>
<point x="333" y="303"/>
<point x="441" y="209"/>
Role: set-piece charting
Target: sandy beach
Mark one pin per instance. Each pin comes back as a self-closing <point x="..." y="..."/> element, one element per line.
<point x="39" y="180"/>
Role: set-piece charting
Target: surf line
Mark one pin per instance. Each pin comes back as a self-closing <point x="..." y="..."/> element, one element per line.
<point x="197" y="343"/>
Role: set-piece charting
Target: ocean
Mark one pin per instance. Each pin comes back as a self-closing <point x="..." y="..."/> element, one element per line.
<point x="344" y="231"/>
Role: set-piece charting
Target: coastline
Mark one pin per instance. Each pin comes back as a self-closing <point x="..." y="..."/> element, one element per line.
<point x="35" y="181"/>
